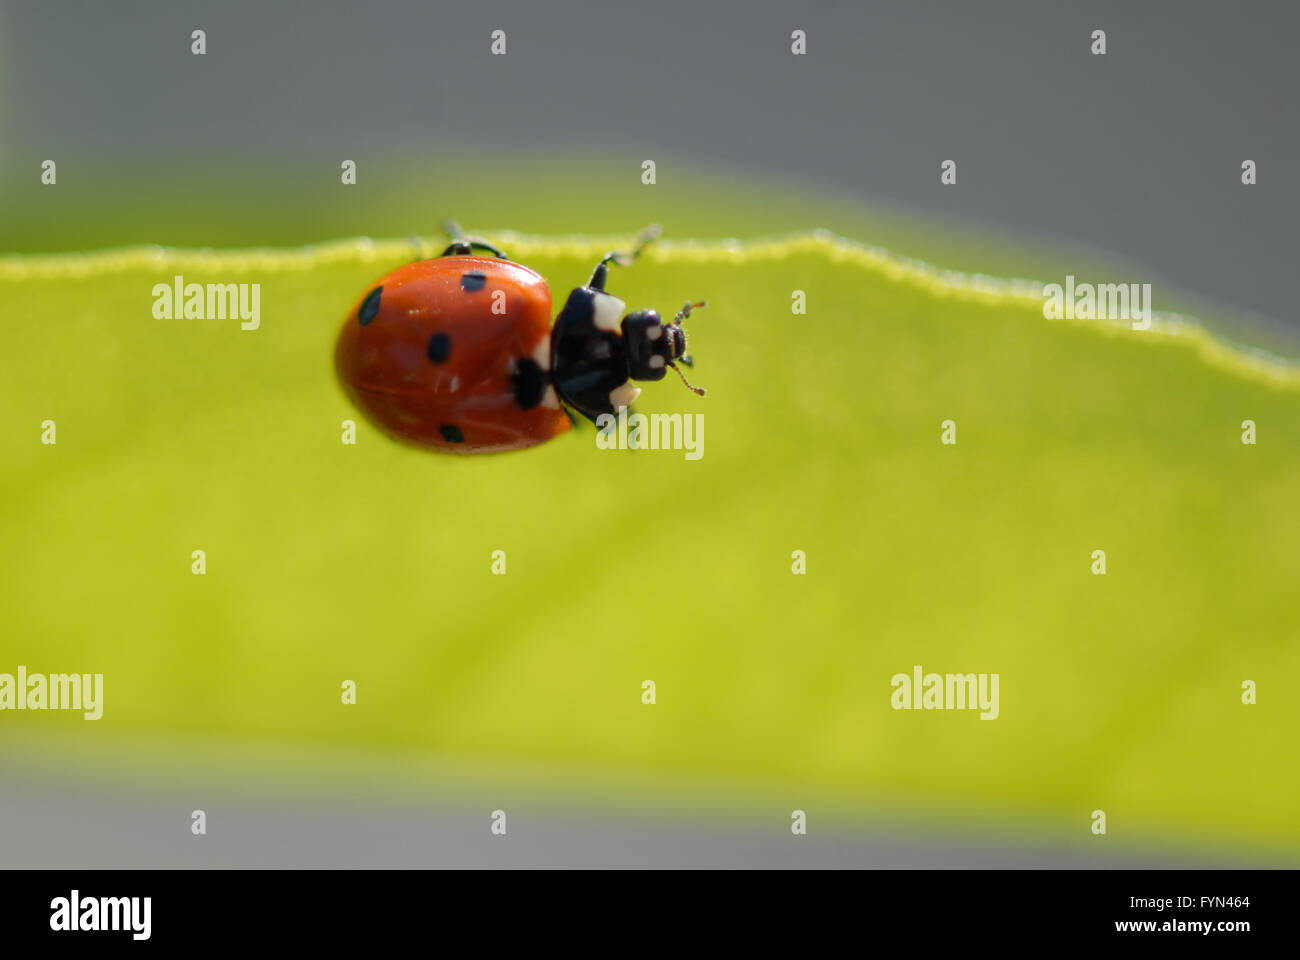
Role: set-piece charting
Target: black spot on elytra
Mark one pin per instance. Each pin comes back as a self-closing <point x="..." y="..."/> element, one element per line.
<point x="369" y="306"/>
<point x="528" y="383"/>
<point x="451" y="433"/>
<point x="439" y="347"/>
<point x="472" y="281"/>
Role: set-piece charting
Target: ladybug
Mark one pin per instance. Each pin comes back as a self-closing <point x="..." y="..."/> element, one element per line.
<point x="458" y="354"/>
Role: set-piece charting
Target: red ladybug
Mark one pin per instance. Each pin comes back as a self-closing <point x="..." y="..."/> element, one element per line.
<point x="458" y="354"/>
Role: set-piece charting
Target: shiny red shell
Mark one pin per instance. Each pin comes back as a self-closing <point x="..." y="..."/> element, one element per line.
<point x="453" y="394"/>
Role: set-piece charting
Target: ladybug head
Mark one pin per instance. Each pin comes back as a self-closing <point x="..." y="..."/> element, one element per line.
<point x="653" y="345"/>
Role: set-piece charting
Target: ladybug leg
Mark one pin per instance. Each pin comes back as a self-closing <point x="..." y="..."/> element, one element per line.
<point x="463" y="246"/>
<point x="601" y="274"/>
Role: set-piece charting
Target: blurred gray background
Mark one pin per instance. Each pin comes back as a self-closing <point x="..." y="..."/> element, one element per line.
<point x="364" y="810"/>
<point x="1136" y="154"/>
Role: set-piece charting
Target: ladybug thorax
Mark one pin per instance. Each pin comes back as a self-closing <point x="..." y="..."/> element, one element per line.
<point x="596" y="349"/>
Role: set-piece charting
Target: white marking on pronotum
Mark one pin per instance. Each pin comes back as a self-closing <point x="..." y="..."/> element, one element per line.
<point x="542" y="356"/>
<point x="657" y="362"/>
<point x="654" y="333"/>
<point x="623" y="395"/>
<point x="608" y="312"/>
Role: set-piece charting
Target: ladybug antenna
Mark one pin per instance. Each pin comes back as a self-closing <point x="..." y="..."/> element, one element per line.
<point x="689" y="386"/>
<point x="623" y="258"/>
<point x="685" y="311"/>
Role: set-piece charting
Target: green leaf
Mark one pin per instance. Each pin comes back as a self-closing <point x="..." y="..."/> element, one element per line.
<point x="328" y="562"/>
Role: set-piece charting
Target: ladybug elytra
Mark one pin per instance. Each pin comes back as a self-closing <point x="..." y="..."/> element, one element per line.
<point x="458" y="354"/>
